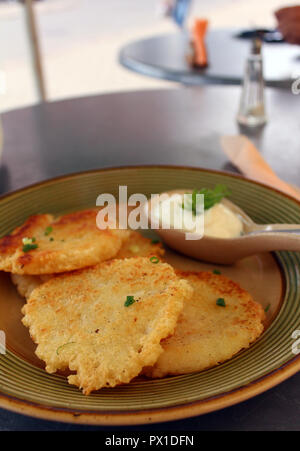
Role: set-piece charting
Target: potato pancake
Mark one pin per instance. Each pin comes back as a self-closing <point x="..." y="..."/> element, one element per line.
<point x="26" y="284"/>
<point x="139" y="246"/>
<point x="45" y="245"/>
<point x="105" y="322"/>
<point x="219" y="320"/>
<point x="135" y="246"/>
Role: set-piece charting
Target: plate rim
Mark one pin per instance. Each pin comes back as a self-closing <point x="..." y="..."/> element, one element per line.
<point x="156" y="415"/>
<point x="146" y="166"/>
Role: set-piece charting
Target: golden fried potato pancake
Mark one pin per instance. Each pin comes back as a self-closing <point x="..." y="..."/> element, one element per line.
<point x="44" y="245"/>
<point x="139" y="246"/>
<point x="135" y="246"/>
<point x="105" y="322"/>
<point x="207" y="333"/>
<point x="26" y="284"/>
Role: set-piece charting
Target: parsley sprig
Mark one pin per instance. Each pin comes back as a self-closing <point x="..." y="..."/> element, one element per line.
<point x="211" y="197"/>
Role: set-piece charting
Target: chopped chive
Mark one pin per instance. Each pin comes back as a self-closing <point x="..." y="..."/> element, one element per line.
<point x="29" y="247"/>
<point x="63" y="346"/>
<point x="154" y="259"/>
<point x="129" y="301"/>
<point x="216" y="271"/>
<point x="155" y="241"/>
<point x="28" y="240"/>
<point x="48" y="230"/>
<point x="267" y="308"/>
<point x="221" y="302"/>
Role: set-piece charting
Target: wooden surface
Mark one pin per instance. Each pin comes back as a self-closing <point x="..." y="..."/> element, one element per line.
<point x="165" y="56"/>
<point x="180" y="127"/>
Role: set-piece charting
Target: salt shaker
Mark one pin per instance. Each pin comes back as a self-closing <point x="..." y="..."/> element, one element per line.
<point x="252" y="104"/>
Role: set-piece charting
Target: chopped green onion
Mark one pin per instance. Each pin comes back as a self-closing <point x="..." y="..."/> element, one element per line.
<point x="155" y="241"/>
<point x="216" y="271"/>
<point x="29" y="247"/>
<point x="267" y="308"/>
<point x="28" y="244"/>
<point x="221" y="302"/>
<point x="129" y="301"/>
<point x="154" y="259"/>
<point x="48" y="230"/>
<point x="28" y="240"/>
<point x="63" y="346"/>
<point x="51" y="238"/>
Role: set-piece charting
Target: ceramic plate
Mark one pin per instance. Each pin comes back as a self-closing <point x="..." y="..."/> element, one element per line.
<point x="272" y="279"/>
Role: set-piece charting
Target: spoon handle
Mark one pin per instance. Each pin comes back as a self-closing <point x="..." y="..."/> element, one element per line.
<point x="277" y="228"/>
<point x="277" y="237"/>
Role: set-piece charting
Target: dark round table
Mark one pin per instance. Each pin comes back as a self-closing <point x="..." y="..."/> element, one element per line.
<point x="165" y="57"/>
<point x="180" y="127"/>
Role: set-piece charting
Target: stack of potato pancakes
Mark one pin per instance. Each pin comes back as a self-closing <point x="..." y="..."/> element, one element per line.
<point x="104" y="304"/>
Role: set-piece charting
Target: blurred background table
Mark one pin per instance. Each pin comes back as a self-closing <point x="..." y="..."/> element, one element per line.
<point x="175" y="127"/>
<point x="166" y="57"/>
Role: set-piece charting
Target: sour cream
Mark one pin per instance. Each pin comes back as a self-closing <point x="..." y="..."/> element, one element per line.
<point x="219" y="220"/>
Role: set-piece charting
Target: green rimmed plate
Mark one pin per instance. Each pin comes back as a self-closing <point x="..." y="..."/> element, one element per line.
<point x="272" y="280"/>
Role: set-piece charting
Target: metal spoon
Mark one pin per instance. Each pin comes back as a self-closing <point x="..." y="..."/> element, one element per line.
<point x="257" y="238"/>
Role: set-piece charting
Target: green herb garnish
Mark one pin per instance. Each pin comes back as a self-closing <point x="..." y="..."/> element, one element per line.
<point x="28" y="244"/>
<point x="63" y="346"/>
<point x="48" y="230"/>
<point x="129" y="301"/>
<point x="267" y="308"/>
<point x="28" y="240"/>
<point x="211" y="197"/>
<point x="221" y="302"/>
<point x="29" y="247"/>
<point x="51" y="238"/>
<point x="155" y="241"/>
<point x="216" y="271"/>
<point x="154" y="259"/>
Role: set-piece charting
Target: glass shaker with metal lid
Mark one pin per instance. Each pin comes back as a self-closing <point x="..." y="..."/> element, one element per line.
<point x="252" y="104"/>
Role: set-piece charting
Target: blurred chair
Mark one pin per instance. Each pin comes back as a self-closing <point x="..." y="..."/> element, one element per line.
<point x="177" y="9"/>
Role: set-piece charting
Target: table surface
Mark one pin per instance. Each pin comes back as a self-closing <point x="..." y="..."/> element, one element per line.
<point x="165" y="57"/>
<point x="180" y="127"/>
